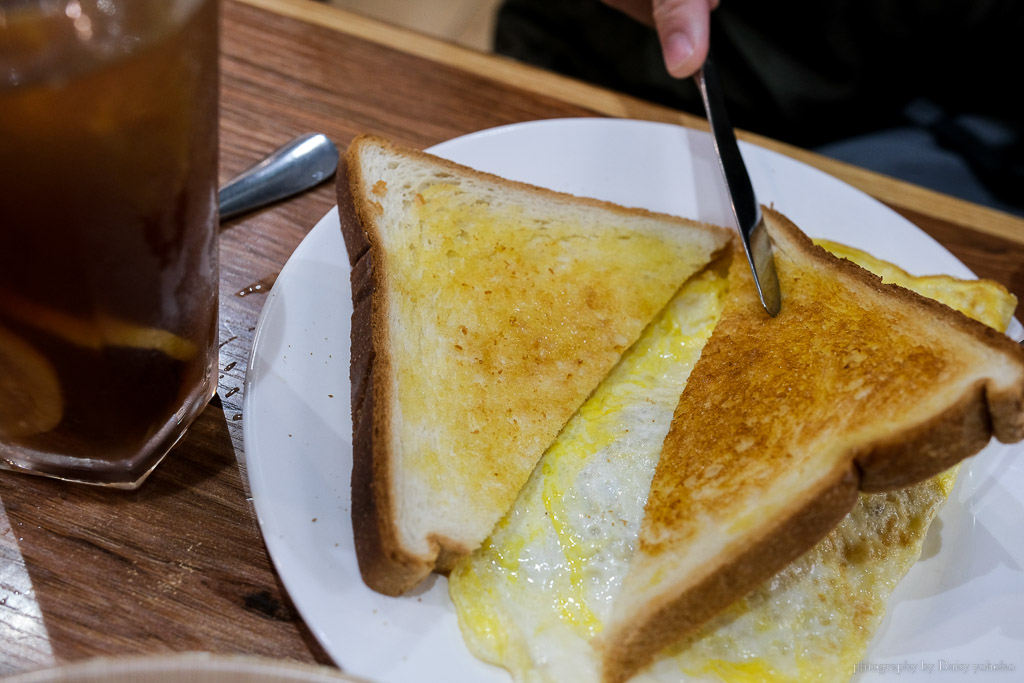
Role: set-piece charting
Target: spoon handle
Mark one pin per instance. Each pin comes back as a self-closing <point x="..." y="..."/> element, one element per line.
<point x="299" y="165"/>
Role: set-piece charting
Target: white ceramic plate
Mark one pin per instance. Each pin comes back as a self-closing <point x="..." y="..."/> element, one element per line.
<point x="193" y="667"/>
<point x="960" y="605"/>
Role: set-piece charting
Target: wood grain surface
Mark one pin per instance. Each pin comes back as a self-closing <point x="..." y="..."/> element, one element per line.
<point x="180" y="564"/>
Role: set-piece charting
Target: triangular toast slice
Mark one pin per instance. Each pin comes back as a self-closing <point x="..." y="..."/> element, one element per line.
<point x="855" y="385"/>
<point x="485" y="313"/>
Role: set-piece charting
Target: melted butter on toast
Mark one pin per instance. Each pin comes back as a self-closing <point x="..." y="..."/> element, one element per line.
<point x="555" y="562"/>
<point x="825" y="371"/>
<point x="518" y="313"/>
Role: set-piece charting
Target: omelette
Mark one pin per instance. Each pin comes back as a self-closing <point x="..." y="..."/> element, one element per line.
<point x="533" y="597"/>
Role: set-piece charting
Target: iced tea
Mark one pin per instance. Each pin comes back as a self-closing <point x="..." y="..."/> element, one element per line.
<point x="108" y="256"/>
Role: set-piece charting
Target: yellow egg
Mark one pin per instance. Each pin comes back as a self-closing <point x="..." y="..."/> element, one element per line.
<point x="532" y="598"/>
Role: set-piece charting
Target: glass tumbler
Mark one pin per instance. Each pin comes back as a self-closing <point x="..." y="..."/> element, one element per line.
<point x="108" y="232"/>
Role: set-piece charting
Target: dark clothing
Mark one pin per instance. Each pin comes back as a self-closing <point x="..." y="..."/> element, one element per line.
<point x="810" y="72"/>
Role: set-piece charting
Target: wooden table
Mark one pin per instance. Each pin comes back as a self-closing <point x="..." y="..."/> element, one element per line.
<point x="180" y="564"/>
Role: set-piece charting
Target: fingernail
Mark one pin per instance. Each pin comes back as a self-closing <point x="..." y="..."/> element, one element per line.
<point x="678" y="49"/>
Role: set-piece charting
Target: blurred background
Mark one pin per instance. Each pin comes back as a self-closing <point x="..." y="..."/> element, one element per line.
<point x="952" y="145"/>
<point x="466" y="22"/>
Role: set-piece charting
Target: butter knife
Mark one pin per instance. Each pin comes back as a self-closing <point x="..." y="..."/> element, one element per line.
<point x="741" y="193"/>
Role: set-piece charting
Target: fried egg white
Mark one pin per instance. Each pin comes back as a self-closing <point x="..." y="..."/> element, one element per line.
<point x="542" y="586"/>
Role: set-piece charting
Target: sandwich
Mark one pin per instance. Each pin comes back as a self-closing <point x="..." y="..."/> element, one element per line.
<point x="642" y="475"/>
<point x="485" y="312"/>
<point x="854" y="386"/>
<point x="543" y="595"/>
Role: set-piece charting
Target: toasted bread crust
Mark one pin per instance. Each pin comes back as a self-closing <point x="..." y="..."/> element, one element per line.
<point x="1004" y="408"/>
<point x="356" y="243"/>
<point x="382" y="564"/>
<point x="921" y="452"/>
<point x="633" y="648"/>
<point x="878" y="459"/>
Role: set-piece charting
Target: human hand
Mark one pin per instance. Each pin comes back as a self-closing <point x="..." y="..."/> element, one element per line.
<point x="682" y="27"/>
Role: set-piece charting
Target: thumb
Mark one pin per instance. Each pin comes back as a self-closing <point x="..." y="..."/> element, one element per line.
<point x="683" y="32"/>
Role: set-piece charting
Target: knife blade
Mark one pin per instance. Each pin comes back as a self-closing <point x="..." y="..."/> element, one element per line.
<point x="745" y="207"/>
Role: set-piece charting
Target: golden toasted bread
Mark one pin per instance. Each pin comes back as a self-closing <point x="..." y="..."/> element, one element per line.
<point x="485" y="312"/>
<point x="534" y="597"/>
<point x="855" y="386"/>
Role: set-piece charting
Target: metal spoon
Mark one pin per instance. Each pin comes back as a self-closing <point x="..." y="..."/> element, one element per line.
<point x="299" y="165"/>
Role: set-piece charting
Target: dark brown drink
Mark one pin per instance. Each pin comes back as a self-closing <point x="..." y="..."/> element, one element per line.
<point x="108" y="258"/>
